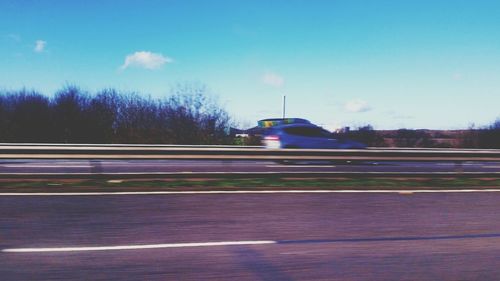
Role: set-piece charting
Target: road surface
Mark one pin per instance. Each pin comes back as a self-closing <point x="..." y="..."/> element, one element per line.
<point x="182" y="166"/>
<point x="268" y="236"/>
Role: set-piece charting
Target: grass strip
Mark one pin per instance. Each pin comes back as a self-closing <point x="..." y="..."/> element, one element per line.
<point x="273" y="183"/>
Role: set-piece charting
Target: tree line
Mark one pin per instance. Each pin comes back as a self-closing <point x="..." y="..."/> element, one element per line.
<point x="483" y="137"/>
<point x="189" y="115"/>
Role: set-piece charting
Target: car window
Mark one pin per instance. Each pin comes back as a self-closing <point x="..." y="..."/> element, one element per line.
<point x="270" y="131"/>
<point x="308" y="132"/>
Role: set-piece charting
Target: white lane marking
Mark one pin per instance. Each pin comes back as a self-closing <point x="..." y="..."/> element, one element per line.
<point x="405" y="192"/>
<point x="300" y="166"/>
<point x="104" y="164"/>
<point x="259" y="173"/>
<point x="136" y="247"/>
<point x="455" y="164"/>
<point x="46" y="166"/>
<point x="247" y="192"/>
<point x="28" y="162"/>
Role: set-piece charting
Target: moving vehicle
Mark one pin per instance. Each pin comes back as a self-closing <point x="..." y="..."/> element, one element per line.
<point x="306" y="136"/>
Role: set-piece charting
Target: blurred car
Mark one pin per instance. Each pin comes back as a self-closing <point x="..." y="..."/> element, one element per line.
<point x="307" y="136"/>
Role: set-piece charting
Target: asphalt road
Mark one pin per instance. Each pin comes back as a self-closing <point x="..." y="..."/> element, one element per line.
<point x="330" y="236"/>
<point x="177" y="166"/>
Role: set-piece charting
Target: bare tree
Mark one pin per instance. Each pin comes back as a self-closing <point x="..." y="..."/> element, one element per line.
<point x="69" y="108"/>
<point x="102" y="113"/>
<point x="189" y="116"/>
<point x="194" y="117"/>
<point x="25" y="117"/>
<point x="137" y="120"/>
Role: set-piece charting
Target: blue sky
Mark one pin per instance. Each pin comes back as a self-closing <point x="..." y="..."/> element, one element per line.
<point x="393" y="64"/>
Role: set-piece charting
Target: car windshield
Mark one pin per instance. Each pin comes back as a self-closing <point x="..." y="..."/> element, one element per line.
<point x="307" y="131"/>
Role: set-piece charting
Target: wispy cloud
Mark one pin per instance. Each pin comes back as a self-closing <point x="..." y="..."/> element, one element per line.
<point x="457" y="76"/>
<point x="40" y="46"/>
<point x="14" y="37"/>
<point x="273" y="79"/>
<point x="356" y="106"/>
<point x="145" y="59"/>
<point x="396" y="115"/>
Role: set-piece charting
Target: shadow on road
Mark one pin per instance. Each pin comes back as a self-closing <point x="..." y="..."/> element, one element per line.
<point x="381" y="239"/>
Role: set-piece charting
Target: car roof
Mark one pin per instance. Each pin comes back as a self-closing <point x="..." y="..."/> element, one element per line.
<point x="273" y="122"/>
<point x="294" y="126"/>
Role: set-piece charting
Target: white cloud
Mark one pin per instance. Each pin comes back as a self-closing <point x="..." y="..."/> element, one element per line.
<point x="357" y="106"/>
<point x="40" y="46"/>
<point x="273" y="79"/>
<point x="147" y="60"/>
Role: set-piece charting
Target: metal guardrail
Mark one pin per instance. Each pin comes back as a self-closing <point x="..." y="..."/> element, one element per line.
<point x="150" y="152"/>
<point x="124" y="145"/>
<point x="237" y="175"/>
<point x="96" y="152"/>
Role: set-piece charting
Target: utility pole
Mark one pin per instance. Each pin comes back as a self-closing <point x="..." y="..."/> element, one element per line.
<point x="284" y="106"/>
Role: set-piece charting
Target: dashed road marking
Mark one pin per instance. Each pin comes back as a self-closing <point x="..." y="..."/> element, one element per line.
<point x="136" y="247"/>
